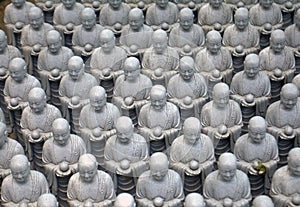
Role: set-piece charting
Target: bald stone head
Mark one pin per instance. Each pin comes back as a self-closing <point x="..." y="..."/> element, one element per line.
<point x="159" y="41"/>
<point x="124" y="200"/>
<point x="37" y="100"/>
<point x="36" y="17"/>
<point x="191" y="130"/>
<point x="277" y="41"/>
<point x="294" y="161"/>
<point x="17" y="69"/>
<point x="158" y="97"/>
<point x="186" y="19"/>
<point x="158" y="165"/>
<point x="47" y="200"/>
<point x="132" y="68"/>
<point x="124" y="129"/>
<point x="87" y="166"/>
<point x="107" y="40"/>
<point x="20" y="168"/>
<point x="220" y="95"/>
<point x="241" y="18"/>
<point x="214" y="42"/>
<point x="75" y="67"/>
<point x="54" y="41"/>
<point x="296" y="81"/>
<point x="88" y="18"/>
<point x="227" y="166"/>
<point x="3" y="41"/>
<point x="18" y="3"/>
<point x="61" y="131"/>
<point x="186" y="68"/>
<point x="3" y="134"/>
<point x="251" y="65"/>
<point x="262" y="201"/>
<point x="257" y="129"/>
<point x="194" y="200"/>
<point x="289" y="96"/>
<point x="136" y="19"/>
<point x="97" y="97"/>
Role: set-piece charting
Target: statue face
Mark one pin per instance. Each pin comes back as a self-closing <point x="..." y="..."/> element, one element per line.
<point x="36" y="20"/>
<point x="241" y="21"/>
<point x="54" y="45"/>
<point x="215" y="3"/>
<point x="98" y="102"/>
<point x="20" y="172"/>
<point x="61" y="135"/>
<point x="88" y="22"/>
<point x="214" y="45"/>
<point x="294" y="165"/>
<point x="136" y="22"/>
<point x="221" y="98"/>
<point x="288" y="100"/>
<point x="158" y="101"/>
<point x="162" y="3"/>
<point x="3" y="44"/>
<point x="277" y="44"/>
<point x="87" y="172"/>
<point x="186" y="72"/>
<point x="37" y="104"/>
<point x="17" y="72"/>
<point x="124" y="135"/>
<point x="159" y="44"/>
<point x="131" y="73"/>
<point x="266" y="4"/>
<point x="69" y="3"/>
<point x="107" y="44"/>
<point x="75" y="72"/>
<point x="186" y="22"/>
<point x="257" y="133"/>
<point x="251" y="69"/>
<point x="191" y="135"/>
<point x="18" y="3"/>
<point x="115" y="4"/>
<point x="227" y="171"/>
<point x="158" y="170"/>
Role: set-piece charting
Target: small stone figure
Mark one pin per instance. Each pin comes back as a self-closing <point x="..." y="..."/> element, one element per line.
<point x="74" y="91"/>
<point x="163" y="14"/>
<point x="33" y="38"/>
<point x="160" y="62"/>
<point x="257" y="155"/>
<point x="221" y="120"/>
<point x="283" y="120"/>
<point x="186" y="37"/>
<point x="124" y="200"/>
<point x="60" y="158"/>
<point x="126" y="156"/>
<point x="24" y="186"/>
<point x="48" y="7"/>
<point x="227" y="186"/>
<point x="296" y="81"/>
<point x="187" y="89"/>
<point x="285" y="189"/>
<point x="192" y="156"/>
<point x="97" y="120"/>
<point x="132" y="89"/>
<point x="262" y="201"/>
<point x="215" y="15"/>
<point x="90" y="187"/>
<point x="159" y="120"/>
<point x="287" y="9"/>
<point x="15" y="17"/>
<point x="154" y="186"/>
<point x="36" y="125"/>
<point x="47" y="200"/>
<point x="194" y="200"/>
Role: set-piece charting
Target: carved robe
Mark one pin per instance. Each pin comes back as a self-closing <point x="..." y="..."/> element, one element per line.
<point x="156" y="16"/>
<point x="109" y="16"/>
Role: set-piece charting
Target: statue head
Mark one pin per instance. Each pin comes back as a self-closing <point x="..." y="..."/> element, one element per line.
<point x="158" y="166"/>
<point x="162" y="3"/>
<point x="37" y="100"/>
<point x="158" y="97"/>
<point x="215" y="3"/>
<point x="20" y="168"/>
<point x="18" y="3"/>
<point x="289" y="96"/>
<point x="136" y="19"/>
<point x="227" y="166"/>
<point x="124" y="200"/>
<point x="191" y="130"/>
<point x="88" y="18"/>
<point x="251" y="65"/>
<point x="47" y="200"/>
<point x="241" y="18"/>
<point x="54" y="43"/>
<point x="186" y="19"/>
<point x="61" y="131"/>
<point x="257" y="129"/>
<point x="3" y="41"/>
<point x="194" y="200"/>
<point x="266" y="4"/>
<point x="296" y="81"/>
<point x="297" y="18"/>
<point x="159" y="41"/>
<point x="277" y="41"/>
<point x="186" y="68"/>
<point x="75" y="68"/>
<point x="115" y="4"/>
<point x="262" y="201"/>
<point x="69" y="4"/>
<point x="36" y="17"/>
<point x="294" y="161"/>
<point x="220" y="95"/>
<point x="214" y="42"/>
<point x="17" y="69"/>
<point x="87" y="167"/>
<point x="124" y="128"/>
<point x="107" y="40"/>
<point x="98" y="98"/>
<point x="3" y="134"/>
<point x="132" y="68"/>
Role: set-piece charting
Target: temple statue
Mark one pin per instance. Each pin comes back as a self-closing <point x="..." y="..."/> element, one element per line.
<point x="227" y="186"/>
<point x="194" y="200"/>
<point x="97" y="123"/>
<point x="47" y="200"/>
<point x="124" y="200"/>
<point x="132" y="90"/>
<point x="60" y="158"/>
<point x="159" y="186"/>
<point x="221" y="120"/>
<point x="74" y="90"/>
<point x="192" y="156"/>
<point x="126" y="156"/>
<point x="285" y="182"/>
<point x="90" y="187"/>
<point x="257" y="155"/>
<point x="187" y="90"/>
<point x="159" y="120"/>
<point x="24" y="186"/>
<point x="160" y="62"/>
<point x="296" y="81"/>
<point x="262" y="201"/>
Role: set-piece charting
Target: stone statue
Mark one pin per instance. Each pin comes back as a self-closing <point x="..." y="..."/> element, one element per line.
<point x="33" y="38"/>
<point x="159" y="186"/>
<point x="163" y="14"/>
<point x="285" y="189"/>
<point x="283" y="120"/>
<point x="96" y="186"/>
<point x="257" y="155"/>
<point x="287" y="9"/>
<point x="48" y="7"/>
<point x="215" y="15"/>
<point x="24" y="186"/>
<point x="132" y="89"/>
<point x="15" y="17"/>
<point x="97" y="120"/>
<point x="160" y="62"/>
<point x="227" y="186"/>
<point x="296" y="81"/>
<point x="194" y="200"/>
<point x="47" y="200"/>
<point x="192" y="156"/>
<point x="262" y="201"/>
<point x="236" y="4"/>
<point x="124" y="200"/>
<point x="60" y="158"/>
<point x="159" y="120"/>
<point x="136" y="36"/>
<point x="214" y="57"/>
<point x="107" y="62"/>
<point x="74" y="90"/>
<point x="187" y="89"/>
<point x="126" y="156"/>
<point x="186" y="37"/>
<point x="36" y="125"/>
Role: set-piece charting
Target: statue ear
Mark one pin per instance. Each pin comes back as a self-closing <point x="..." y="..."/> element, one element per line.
<point x="5" y="133"/>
